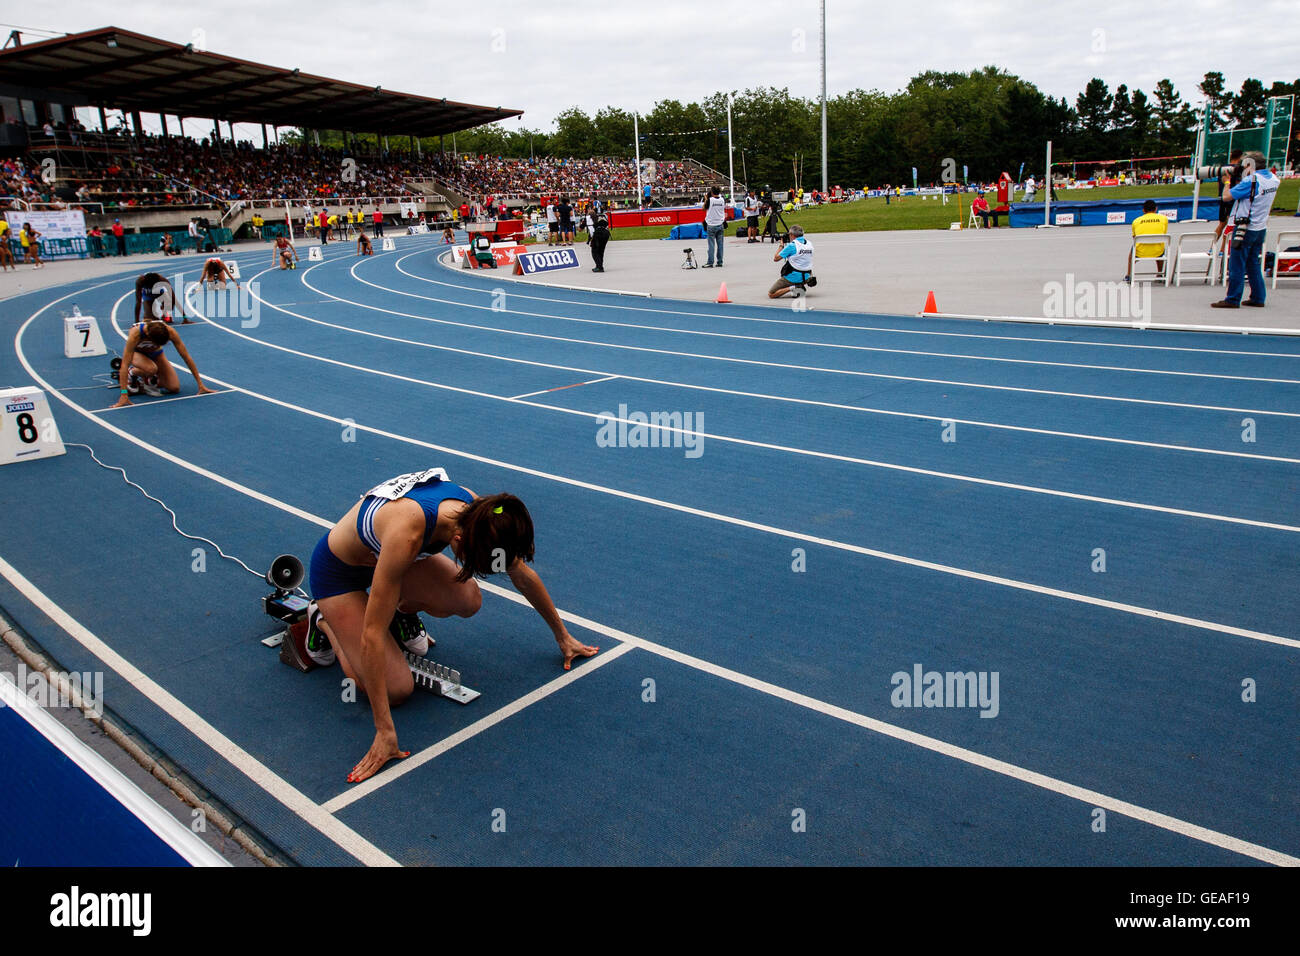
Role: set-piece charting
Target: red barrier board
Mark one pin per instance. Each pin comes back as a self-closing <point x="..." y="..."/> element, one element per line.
<point x="660" y="217"/>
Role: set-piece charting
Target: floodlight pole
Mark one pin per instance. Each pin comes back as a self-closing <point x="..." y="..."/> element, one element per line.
<point x="731" y="163"/>
<point x="636" y="145"/>
<point x="1047" y="192"/>
<point x="825" y="184"/>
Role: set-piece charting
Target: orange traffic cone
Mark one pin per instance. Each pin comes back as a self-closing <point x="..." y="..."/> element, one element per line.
<point x="722" y="294"/>
<point x="929" y="305"/>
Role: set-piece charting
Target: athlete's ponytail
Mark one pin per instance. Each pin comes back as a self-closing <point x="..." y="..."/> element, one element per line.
<point x="494" y="532"/>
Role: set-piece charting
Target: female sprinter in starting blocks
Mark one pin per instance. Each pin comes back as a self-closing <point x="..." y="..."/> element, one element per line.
<point x="216" y="272"/>
<point x="390" y="542"/>
<point x="144" y="366"/>
<point x="156" y="292"/>
<point x="284" y="251"/>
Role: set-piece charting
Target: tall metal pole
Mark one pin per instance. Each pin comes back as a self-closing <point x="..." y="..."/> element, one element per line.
<point x="1047" y="188"/>
<point x="636" y="144"/>
<point x="1199" y="158"/>
<point x="731" y="163"/>
<point x="825" y="182"/>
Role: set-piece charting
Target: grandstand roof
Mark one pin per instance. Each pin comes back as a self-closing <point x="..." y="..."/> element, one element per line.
<point x="119" y="69"/>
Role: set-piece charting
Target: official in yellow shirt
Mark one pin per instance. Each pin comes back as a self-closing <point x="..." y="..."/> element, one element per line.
<point x="1150" y="223"/>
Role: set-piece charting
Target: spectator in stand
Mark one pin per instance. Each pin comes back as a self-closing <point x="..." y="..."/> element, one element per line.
<point x="120" y="235"/>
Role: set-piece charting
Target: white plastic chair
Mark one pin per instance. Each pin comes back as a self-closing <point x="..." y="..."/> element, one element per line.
<point x="974" y="222"/>
<point x="1291" y="238"/>
<point x="1206" y="254"/>
<point x="1163" y="258"/>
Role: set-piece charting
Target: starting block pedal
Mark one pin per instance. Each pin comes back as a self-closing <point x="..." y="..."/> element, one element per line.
<point x="292" y="642"/>
<point x="438" y="680"/>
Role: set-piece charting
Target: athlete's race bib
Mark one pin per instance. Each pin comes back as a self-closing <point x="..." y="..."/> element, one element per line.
<point x="395" y="488"/>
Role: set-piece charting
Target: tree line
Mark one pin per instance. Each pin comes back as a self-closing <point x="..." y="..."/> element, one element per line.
<point x="987" y="120"/>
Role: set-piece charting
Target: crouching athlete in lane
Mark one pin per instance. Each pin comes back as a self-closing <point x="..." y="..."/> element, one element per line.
<point x="390" y="542"/>
<point x="145" y="367"/>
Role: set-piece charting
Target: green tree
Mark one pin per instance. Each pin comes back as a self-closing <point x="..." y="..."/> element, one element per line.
<point x="1248" y="106"/>
<point x="1217" y="99"/>
<point x="1093" y="106"/>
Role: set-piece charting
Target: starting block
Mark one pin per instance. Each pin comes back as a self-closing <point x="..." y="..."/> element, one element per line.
<point x="314" y="254"/>
<point x="387" y="245"/>
<point x="81" y="336"/>
<point x="438" y="680"/>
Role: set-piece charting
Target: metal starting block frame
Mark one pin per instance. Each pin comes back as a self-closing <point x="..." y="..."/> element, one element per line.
<point x="438" y="680"/>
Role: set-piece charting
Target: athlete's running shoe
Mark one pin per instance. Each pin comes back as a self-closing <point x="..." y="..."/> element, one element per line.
<point x="150" y="386"/>
<point x="318" y="645"/>
<point x="410" y="633"/>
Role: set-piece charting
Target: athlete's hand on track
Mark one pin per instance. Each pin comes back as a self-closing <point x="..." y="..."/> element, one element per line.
<point x="204" y="390"/>
<point x="381" y="751"/>
<point x="122" y="401"/>
<point x="573" y="648"/>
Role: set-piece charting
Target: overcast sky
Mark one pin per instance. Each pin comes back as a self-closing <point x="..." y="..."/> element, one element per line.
<point x="546" y="55"/>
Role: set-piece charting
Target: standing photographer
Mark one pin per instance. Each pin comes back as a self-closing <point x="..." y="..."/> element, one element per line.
<point x="1253" y="199"/>
<point x="715" y="224"/>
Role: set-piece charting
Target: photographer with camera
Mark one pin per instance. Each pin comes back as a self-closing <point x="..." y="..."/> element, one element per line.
<point x="716" y="214"/>
<point x="1229" y="176"/>
<point x="1253" y="198"/>
<point x="796" y="273"/>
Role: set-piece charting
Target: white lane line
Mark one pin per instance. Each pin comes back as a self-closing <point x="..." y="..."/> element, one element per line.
<point x="701" y="513"/>
<point x="805" y="342"/>
<point x="161" y="401"/>
<point x="560" y="388"/>
<point x="701" y="355"/>
<point x="731" y="317"/>
<point x="288" y="796"/>
<point x="974" y="758"/>
<point x="402" y="767"/>
<point x="1036" y="779"/>
<point x="1166" y="446"/>
<point x="803" y="401"/>
<point x="785" y="449"/>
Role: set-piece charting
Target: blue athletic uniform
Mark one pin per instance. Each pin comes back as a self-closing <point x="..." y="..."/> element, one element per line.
<point x="331" y="576"/>
<point x="145" y="346"/>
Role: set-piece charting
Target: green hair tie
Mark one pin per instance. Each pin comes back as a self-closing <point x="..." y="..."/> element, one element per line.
<point x="498" y="509"/>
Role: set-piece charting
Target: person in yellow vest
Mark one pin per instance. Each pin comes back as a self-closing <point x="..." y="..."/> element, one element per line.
<point x="258" y="223"/>
<point x="1150" y="223"/>
<point x="6" y="253"/>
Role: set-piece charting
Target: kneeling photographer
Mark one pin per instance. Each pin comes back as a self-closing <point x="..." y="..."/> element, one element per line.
<point x="796" y="273"/>
<point x="1253" y="198"/>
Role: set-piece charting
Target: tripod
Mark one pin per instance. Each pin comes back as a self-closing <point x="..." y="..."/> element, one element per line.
<point x="774" y="219"/>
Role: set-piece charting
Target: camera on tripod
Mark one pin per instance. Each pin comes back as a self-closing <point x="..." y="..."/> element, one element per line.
<point x="775" y="227"/>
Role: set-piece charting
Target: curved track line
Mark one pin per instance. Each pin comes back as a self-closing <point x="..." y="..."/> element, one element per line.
<point x="833" y="325"/>
<point x="741" y="361"/>
<point x="933" y="744"/>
